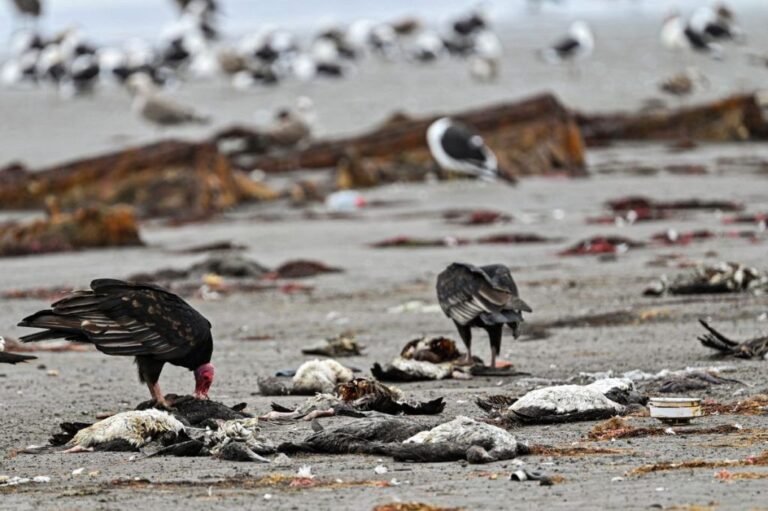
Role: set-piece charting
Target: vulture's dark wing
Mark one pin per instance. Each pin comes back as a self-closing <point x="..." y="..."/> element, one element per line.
<point x="463" y="143"/>
<point x="501" y="278"/>
<point x="14" y="358"/>
<point x="466" y="292"/>
<point x="121" y="318"/>
<point x="566" y="46"/>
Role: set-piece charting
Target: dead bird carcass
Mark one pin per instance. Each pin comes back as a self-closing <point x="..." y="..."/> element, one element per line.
<point x="601" y="399"/>
<point x="354" y="398"/>
<point x="405" y="440"/>
<point x="313" y="376"/>
<point x="434" y="358"/>
<point x="724" y="277"/>
<point x="751" y="348"/>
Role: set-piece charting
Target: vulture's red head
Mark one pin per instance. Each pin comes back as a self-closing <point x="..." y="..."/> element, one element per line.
<point x="203" y="380"/>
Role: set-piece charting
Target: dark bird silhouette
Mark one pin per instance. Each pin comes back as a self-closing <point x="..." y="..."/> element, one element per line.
<point x="482" y="297"/>
<point x="32" y="8"/>
<point x="139" y="320"/>
<point x="752" y="348"/>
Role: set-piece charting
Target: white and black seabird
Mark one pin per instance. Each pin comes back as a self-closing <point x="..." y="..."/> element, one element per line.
<point x="459" y="148"/>
<point x="676" y="34"/>
<point x="577" y="44"/>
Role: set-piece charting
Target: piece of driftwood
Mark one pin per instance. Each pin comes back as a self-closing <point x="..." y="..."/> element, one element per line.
<point x="171" y="179"/>
<point x="90" y="227"/>
<point x="530" y="137"/>
<point x="730" y="119"/>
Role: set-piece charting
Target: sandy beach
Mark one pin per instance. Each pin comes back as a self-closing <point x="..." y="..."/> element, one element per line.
<point x="44" y="130"/>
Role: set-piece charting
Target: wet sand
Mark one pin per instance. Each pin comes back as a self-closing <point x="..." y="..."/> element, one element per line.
<point x="376" y="279"/>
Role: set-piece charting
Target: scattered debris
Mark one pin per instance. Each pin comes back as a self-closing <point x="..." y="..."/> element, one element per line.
<point x="343" y="345"/>
<point x="522" y="474"/>
<point x="301" y="268"/>
<point x="451" y="241"/>
<point x="52" y="346"/>
<point x="415" y="306"/>
<point x="694" y="380"/>
<point x="753" y="405"/>
<point x="89" y="227"/>
<point x="409" y="242"/>
<point x="619" y="427"/>
<point x="752" y="348"/>
<point x="759" y="460"/>
<point x="675" y="410"/>
<point x="731" y="119"/>
<point x="413" y="506"/>
<point x="515" y="238"/>
<point x="601" y="245"/>
<point x="170" y="179"/>
<point x="214" y="246"/>
<point x="476" y="217"/>
<point x="644" y="206"/>
<point x="724" y="277"/>
<point x="16" y="480"/>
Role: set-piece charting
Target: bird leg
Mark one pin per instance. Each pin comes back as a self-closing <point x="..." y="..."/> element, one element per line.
<point x="494" y="334"/>
<point x="157" y="395"/>
<point x="466" y="335"/>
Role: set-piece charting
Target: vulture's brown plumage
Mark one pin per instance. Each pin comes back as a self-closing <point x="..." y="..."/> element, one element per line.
<point x="139" y="320"/>
<point x="483" y="297"/>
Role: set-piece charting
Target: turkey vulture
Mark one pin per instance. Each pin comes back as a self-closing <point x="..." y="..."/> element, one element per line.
<point x="12" y="358"/>
<point x="130" y="319"/>
<point x="457" y="147"/>
<point x="484" y="297"/>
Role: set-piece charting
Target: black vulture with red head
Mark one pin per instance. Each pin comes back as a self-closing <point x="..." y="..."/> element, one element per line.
<point x="132" y="319"/>
<point x="481" y="297"/>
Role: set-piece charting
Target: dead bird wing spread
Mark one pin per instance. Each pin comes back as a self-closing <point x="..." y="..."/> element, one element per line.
<point x="123" y="318"/>
<point x="466" y="291"/>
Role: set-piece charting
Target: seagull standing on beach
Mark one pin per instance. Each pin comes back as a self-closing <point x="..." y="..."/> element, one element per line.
<point x="157" y="109"/>
<point x="481" y="297"/>
<point x="459" y="148"/>
<point x="678" y="35"/>
<point x="579" y="43"/>
<point x="716" y="24"/>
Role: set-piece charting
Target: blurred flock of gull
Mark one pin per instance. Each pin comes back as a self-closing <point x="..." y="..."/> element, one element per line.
<point x="193" y="62"/>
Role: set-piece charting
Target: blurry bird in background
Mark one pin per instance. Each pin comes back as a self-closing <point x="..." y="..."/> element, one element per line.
<point x="292" y="126"/>
<point x="154" y="107"/>
<point x="684" y="84"/>
<point x="578" y="44"/>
